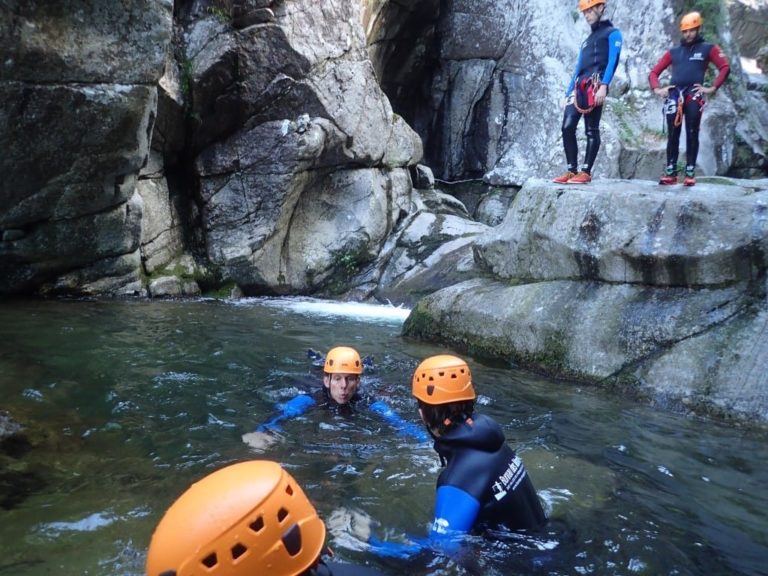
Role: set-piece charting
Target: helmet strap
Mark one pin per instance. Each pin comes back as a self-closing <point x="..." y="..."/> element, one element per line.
<point x="458" y="419"/>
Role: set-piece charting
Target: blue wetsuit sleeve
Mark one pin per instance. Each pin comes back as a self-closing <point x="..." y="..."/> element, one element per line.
<point x="455" y="514"/>
<point x="393" y="549"/>
<point x="294" y="407"/>
<point x="572" y="83"/>
<point x="403" y="427"/>
<point x="614" y="51"/>
<point x="455" y="511"/>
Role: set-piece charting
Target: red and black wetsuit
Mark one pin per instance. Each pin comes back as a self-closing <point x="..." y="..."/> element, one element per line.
<point x="689" y="63"/>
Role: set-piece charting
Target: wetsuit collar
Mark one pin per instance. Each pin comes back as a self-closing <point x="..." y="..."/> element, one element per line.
<point x="600" y="24"/>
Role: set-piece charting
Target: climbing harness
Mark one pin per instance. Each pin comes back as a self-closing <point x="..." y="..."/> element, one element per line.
<point x="679" y="111"/>
<point x="676" y="105"/>
<point x="585" y="93"/>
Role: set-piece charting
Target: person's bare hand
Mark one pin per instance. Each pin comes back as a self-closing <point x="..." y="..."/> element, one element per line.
<point x="350" y="522"/>
<point x="701" y="89"/>
<point x="601" y="94"/>
<point x="663" y="92"/>
<point x="260" y="441"/>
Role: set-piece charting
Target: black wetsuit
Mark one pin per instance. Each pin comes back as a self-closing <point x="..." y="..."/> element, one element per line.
<point x="358" y="402"/>
<point x="481" y="467"/>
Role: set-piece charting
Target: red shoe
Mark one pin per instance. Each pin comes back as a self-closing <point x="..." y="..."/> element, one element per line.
<point x="668" y="180"/>
<point x="689" y="181"/>
<point x="564" y="178"/>
<point x="581" y="178"/>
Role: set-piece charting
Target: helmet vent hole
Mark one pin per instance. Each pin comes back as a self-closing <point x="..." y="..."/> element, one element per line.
<point x="281" y="514"/>
<point x="289" y="490"/>
<point x="257" y="524"/>
<point x="210" y="561"/>
<point x="238" y="550"/>
<point x="292" y="540"/>
<point x="168" y="573"/>
<point x="430" y="390"/>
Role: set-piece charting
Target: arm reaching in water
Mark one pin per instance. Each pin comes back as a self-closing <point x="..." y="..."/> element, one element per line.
<point x="403" y="427"/>
<point x="263" y="437"/>
<point x="455" y="514"/>
<point x="294" y="407"/>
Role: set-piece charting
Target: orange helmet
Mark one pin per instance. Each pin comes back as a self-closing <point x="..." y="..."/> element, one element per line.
<point x="343" y="360"/>
<point x="247" y="518"/>
<point x="689" y="21"/>
<point x="443" y="379"/>
<point x="585" y="5"/>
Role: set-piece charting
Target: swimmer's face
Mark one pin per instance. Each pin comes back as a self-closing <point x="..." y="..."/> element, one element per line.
<point x="342" y="387"/>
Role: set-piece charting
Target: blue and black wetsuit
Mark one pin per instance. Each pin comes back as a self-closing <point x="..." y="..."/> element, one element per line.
<point x="599" y="55"/>
<point x="689" y="62"/>
<point x="484" y="483"/>
<point x="484" y="486"/>
<point x="300" y="404"/>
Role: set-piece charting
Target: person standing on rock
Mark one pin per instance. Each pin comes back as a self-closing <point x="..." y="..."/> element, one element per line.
<point x="587" y="90"/>
<point x="684" y="97"/>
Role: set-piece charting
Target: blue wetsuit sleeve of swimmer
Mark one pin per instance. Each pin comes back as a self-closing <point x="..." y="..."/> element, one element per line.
<point x="294" y="407"/>
<point x="394" y="419"/>
<point x="455" y="514"/>
<point x="572" y="83"/>
<point x="392" y="549"/>
<point x="614" y="51"/>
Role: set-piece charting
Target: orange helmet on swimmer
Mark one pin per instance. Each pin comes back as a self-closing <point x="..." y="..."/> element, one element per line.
<point x="443" y="379"/>
<point x="247" y="518"/>
<point x="343" y="360"/>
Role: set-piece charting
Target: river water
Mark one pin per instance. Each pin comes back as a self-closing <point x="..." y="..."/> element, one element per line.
<point x="129" y="402"/>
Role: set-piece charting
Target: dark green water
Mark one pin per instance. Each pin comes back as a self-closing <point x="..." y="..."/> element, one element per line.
<point x="131" y="402"/>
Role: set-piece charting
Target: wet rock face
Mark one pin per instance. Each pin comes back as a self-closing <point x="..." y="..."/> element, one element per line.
<point x="749" y="24"/>
<point x="16" y="481"/>
<point x="78" y="86"/>
<point x="301" y="165"/>
<point x="13" y="441"/>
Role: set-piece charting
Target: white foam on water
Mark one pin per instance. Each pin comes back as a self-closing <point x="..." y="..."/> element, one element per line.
<point x="333" y="309"/>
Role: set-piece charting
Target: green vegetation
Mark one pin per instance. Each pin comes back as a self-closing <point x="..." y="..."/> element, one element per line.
<point x="187" y="82"/>
<point x="626" y="133"/>
<point x="633" y="136"/>
<point x="220" y="13"/>
<point x="208" y="279"/>
<point x="346" y="265"/>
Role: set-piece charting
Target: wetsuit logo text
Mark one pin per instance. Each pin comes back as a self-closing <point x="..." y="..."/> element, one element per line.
<point x="510" y="479"/>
